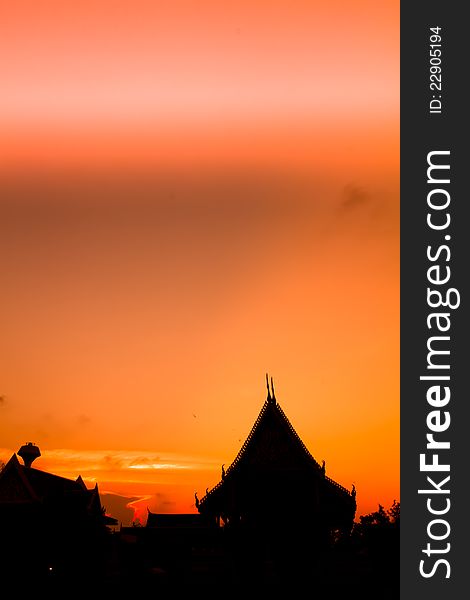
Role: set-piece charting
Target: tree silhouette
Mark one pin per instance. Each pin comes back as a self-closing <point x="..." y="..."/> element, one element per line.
<point x="377" y="536"/>
<point x="394" y="513"/>
<point x="377" y="528"/>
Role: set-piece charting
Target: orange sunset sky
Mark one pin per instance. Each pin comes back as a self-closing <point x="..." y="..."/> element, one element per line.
<point x="193" y="193"/>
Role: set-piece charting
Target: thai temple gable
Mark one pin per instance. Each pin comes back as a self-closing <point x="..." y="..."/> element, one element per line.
<point x="59" y="518"/>
<point x="274" y="474"/>
<point x="80" y="481"/>
<point x="273" y="443"/>
<point x="94" y="503"/>
<point x="22" y="485"/>
<point x="14" y="486"/>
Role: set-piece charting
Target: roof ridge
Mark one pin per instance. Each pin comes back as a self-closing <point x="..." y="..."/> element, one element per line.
<point x="291" y="427"/>
<point x="240" y="453"/>
<point x="338" y="485"/>
<point x="296" y="435"/>
<point x="53" y="476"/>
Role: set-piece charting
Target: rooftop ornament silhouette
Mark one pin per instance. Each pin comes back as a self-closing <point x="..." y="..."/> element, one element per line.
<point x="29" y="452"/>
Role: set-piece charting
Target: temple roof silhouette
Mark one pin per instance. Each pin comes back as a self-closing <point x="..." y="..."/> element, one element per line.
<point x="273" y="440"/>
<point x="50" y="526"/>
<point x="22" y="485"/>
<point x="274" y="461"/>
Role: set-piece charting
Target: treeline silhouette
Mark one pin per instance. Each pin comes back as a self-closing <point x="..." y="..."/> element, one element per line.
<point x="373" y="549"/>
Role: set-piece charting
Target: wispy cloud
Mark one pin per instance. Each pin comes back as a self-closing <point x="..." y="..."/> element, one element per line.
<point x="159" y="466"/>
<point x="91" y="462"/>
<point x="83" y="420"/>
<point x="354" y="197"/>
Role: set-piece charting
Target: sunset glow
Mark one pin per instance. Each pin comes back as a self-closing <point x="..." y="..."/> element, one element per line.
<point x="192" y="194"/>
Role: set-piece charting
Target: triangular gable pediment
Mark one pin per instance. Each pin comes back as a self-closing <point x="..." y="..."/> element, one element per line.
<point x="81" y="483"/>
<point x="273" y="443"/>
<point x="94" y="502"/>
<point x="14" y="487"/>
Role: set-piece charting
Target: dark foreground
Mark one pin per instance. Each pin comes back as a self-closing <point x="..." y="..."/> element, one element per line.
<point x="131" y="564"/>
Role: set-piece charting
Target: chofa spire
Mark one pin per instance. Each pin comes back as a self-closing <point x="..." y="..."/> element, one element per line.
<point x="271" y="395"/>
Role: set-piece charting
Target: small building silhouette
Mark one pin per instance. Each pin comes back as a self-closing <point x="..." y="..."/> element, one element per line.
<point x="187" y="547"/>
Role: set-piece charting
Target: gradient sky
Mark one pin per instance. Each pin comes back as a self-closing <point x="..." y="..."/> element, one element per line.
<point x="192" y="194"/>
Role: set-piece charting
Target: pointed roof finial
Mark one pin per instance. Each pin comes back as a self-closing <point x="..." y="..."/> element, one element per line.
<point x="272" y="390"/>
<point x="267" y="385"/>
